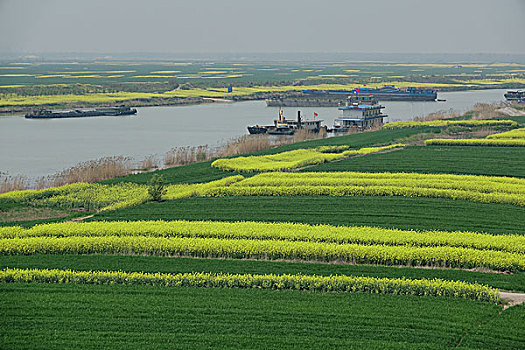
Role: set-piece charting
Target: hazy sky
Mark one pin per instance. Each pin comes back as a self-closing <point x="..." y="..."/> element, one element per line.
<point x="204" y="26"/>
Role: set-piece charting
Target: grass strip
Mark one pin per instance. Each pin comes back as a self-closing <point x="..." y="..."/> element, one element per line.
<point x="353" y="284"/>
<point x="445" y="122"/>
<point x="477" y="142"/>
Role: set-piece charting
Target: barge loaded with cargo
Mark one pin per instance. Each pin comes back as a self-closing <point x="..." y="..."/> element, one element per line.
<point x="336" y="98"/>
<point x="81" y="113"/>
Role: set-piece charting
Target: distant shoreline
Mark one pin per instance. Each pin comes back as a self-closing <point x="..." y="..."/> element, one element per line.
<point x="206" y="100"/>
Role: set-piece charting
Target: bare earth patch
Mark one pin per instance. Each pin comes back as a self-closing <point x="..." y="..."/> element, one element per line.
<point x="513" y="299"/>
<point x="27" y="214"/>
<point x="511" y="112"/>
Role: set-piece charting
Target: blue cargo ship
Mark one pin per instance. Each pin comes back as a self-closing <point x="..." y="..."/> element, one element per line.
<point x="385" y="93"/>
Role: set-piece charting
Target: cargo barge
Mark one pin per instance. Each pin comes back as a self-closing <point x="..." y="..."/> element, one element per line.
<point x="336" y="98"/>
<point x="81" y="113"/>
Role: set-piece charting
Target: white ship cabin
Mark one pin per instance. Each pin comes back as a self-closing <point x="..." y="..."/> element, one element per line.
<point x="359" y="116"/>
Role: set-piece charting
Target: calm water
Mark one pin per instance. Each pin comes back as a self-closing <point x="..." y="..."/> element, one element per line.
<point x="44" y="147"/>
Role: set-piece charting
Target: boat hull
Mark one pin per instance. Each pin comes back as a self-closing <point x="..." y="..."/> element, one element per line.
<point x="257" y="130"/>
<point x="80" y="113"/>
<point x="281" y="131"/>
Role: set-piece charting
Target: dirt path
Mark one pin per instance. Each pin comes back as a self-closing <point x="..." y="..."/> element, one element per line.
<point x="511" y="112"/>
<point x="513" y="299"/>
<point x="81" y="218"/>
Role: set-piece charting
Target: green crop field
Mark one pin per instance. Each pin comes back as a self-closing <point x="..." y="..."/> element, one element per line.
<point x="396" y="212"/>
<point x="476" y="160"/>
<point x="153" y="317"/>
<point x="257" y="284"/>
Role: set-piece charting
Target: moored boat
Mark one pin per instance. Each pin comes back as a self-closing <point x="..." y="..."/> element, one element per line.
<point x="283" y="126"/>
<point x="254" y="130"/>
<point x="359" y="117"/>
<point x="517" y="96"/>
<point x="81" y="113"/>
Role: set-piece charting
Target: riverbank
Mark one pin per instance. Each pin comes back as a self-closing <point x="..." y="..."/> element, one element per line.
<point x="44" y="147"/>
<point x="11" y="104"/>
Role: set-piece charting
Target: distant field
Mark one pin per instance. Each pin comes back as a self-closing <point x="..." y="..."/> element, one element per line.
<point x="395" y="212"/>
<point x="159" y="317"/>
<point x="476" y="160"/>
<point x="96" y="72"/>
<point x="96" y="82"/>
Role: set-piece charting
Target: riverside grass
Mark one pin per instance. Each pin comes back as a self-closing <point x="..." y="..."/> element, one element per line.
<point x="445" y="122"/>
<point x="468" y="187"/>
<point x="272" y="231"/>
<point x="495" y="142"/>
<point x="294" y="159"/>
<point x="337" y="283"/>
<point x="440" y="256"/>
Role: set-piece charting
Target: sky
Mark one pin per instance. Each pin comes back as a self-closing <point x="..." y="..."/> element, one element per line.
<point x="270" y="26"/>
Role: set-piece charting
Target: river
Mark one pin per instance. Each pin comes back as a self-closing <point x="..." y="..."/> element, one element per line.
<point x="43" y="147"/>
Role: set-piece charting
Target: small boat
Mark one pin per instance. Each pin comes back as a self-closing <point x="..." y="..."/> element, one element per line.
<point x="255" y="130"/>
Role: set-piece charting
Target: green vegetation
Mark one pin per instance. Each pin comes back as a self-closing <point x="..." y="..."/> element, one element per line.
<point x="154" y="264"/>
<point x="177" y="258"/>
<point x="477" y="142"/>
<point x="504" y="331"/>
<point x="204" y="172"/>
<point x="157" y="187"/>
<point x="83" y="196"/>
<point x="513" y="134"/>
<point x="95" y="316"/>
<point x="273" y="231"/>
<point x="438" y="256"/>
<point x="299" y="282"/>
<point x="189" y="174"/>
<point x="488" y="189"/>
<point x="475" y="160"/>
<point x="380" y="137"/>
<point x="450" y="123"/>
<point x="294" y="159"/>
<point x="389" y="212"/>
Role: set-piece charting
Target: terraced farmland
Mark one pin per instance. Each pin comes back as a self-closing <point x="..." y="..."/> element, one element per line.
<point x="408" y="249"/>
